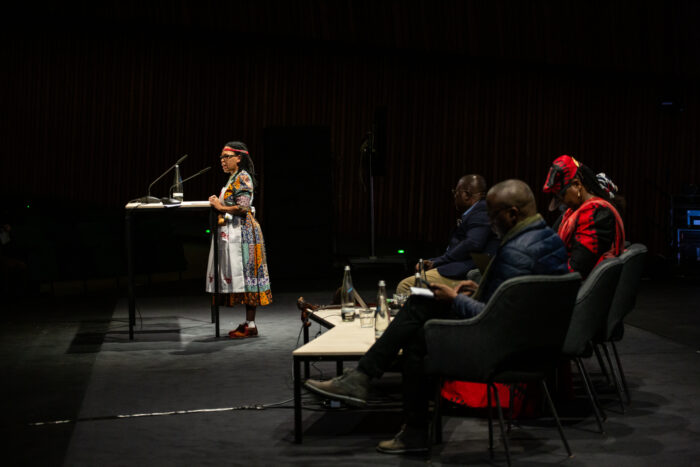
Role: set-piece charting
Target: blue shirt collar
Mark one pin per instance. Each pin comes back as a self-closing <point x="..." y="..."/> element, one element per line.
<point x="470" y="208"/>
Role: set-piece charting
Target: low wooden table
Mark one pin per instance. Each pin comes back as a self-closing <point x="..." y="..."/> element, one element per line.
<point x="344" y="341"/>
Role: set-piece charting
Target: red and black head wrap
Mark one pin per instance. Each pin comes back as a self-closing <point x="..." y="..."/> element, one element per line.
<point x="561" y="174"/>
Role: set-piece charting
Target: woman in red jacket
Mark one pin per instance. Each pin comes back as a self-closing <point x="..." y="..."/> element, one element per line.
<point x="591" y="227"/>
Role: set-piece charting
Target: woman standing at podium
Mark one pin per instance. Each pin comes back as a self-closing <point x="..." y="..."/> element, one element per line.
<point x="243" y="275"/>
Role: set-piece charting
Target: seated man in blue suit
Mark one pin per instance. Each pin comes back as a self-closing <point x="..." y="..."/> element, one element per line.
<point x="527" y="246"/>
<point x="473" y="234"/>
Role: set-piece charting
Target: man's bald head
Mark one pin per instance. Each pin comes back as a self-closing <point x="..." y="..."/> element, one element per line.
<point x="508" y="203"/>
<point x="514" y="193"/>
<point x="474" y="183"/>
<point x="470" y="189"/>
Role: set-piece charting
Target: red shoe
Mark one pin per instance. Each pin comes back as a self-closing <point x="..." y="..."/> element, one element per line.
<point x="243" y="331"/>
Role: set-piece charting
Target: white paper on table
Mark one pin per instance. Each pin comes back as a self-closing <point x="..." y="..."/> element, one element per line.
<point x="422" y="291"/>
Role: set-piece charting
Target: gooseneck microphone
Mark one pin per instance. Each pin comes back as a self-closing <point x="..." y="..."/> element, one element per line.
<point x="148" y="199"/>
<point x="191" y="177"/>
<point x="164" y="173"/>
<point x="170" y="200"/>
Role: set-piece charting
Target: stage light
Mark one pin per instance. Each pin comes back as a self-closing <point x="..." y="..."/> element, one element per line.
<point x="207" y="231"/>
<point x="401" y="251"/>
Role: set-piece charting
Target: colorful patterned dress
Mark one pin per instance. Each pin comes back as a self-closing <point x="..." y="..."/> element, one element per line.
<point x="242" y="261"/>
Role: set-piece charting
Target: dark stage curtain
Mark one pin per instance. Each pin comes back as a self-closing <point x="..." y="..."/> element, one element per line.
<point x="95" y="115"/>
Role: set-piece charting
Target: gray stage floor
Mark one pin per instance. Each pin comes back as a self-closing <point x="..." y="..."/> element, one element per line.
<point x="75" y="363"/>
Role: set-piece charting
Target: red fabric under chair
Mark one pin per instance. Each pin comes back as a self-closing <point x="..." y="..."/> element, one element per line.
<point x="474" y="395"/>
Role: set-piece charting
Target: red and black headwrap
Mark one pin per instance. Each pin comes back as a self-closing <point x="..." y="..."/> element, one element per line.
<point x="561" y="174"/>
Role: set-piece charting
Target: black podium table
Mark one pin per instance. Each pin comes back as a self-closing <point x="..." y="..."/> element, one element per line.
<point x="154" y="208"/>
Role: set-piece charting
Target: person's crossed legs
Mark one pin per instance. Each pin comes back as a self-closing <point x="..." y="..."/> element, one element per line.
<point x="405" y="332"/>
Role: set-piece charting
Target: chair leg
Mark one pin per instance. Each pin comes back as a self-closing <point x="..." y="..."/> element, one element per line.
<point x="589" y="389"/>
<point x="585" y="374"/>
<point x="490" y="411"/>
<point x="511" y="398"/>
<point x="616" y="378"/>
<point x="622" y="373"/>
<point x="436" y="425"/>
<point x="492" y="386"/>
<point x="556" y="418"/>
<point x="601" y="364"/>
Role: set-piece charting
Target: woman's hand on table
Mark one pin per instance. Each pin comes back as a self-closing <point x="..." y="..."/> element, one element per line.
<point x="215" y="203"/>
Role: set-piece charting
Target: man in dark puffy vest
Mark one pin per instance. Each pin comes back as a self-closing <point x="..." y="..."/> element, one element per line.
<point x="527" y="246"/>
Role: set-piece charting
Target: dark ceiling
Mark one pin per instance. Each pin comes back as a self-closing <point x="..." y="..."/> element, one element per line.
<point x="648" y="36"/>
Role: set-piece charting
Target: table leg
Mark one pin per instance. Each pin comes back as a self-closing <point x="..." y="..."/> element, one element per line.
<point x="297" y="402"/>
<point x="214" y="227"/>
<point x="307" y="368"/>
<point x="130" y="272"/>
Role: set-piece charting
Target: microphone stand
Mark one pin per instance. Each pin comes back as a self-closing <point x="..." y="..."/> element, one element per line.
<point x="148" y="199"/>
<point x="368" y="148"/>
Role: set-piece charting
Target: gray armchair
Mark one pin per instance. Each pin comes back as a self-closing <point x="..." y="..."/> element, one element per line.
<point x="589" y="319"/>
<point x="517" y="338"/>
<point x="622" y="304"/>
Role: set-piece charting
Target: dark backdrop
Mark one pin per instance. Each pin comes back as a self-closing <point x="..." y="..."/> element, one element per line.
<point x="298" y="219"/>
<point x="98" y="100"/>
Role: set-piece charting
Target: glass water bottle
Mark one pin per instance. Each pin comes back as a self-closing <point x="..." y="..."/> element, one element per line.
<point x="347" y="298"/>
<point x="178" y="191"/>
<point x="381" y="313"/>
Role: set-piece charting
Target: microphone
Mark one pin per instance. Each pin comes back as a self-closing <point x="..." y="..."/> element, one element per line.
<point x="172" y="200"/>
<point x="152" y="199"/>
